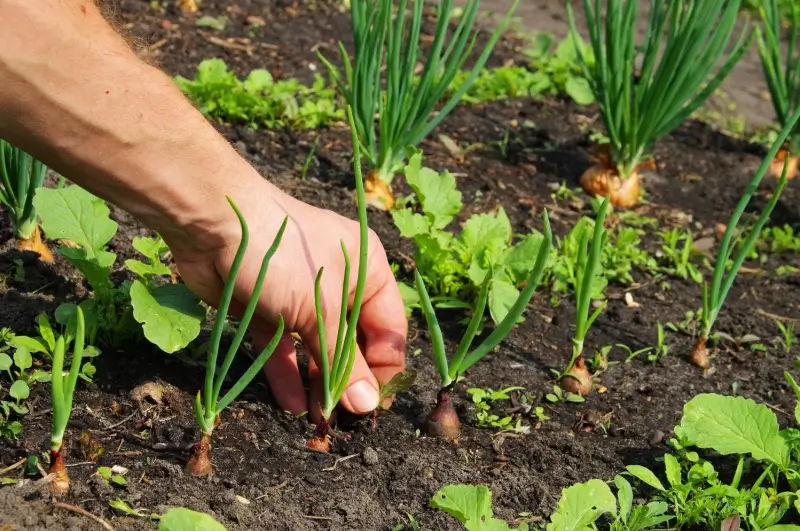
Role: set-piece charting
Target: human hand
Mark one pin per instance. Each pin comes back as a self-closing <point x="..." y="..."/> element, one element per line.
<point x="311" y="240"/>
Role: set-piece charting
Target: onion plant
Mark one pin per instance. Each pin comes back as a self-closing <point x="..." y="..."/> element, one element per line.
<point x="737" y="244"/>
<point x="576" y="378"/>
<point x="443" y="420"/>
<point x="62" y="392"/>
<point x="404" y="103"/>
<point x="337" y="365"/>
<point x="22" y="175"/>
<point x="684" y="42"/>
<point x="208" y="403"/>
<point x="782" y="73"/>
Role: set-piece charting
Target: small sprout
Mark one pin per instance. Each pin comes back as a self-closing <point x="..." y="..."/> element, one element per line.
<point x="90" y="448"/>
<point x="208" y="404"/>
<point x="788" y="338"/>
<point x="443" y="420"/>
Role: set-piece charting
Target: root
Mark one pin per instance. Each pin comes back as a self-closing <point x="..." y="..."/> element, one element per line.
<point x="199" y="464"/>
<point x="35" y="244"/>
<point x="60" y="484"/>
<point x="776" y="164"/>
<point x="577" y="379"/>
<point x="321" y="440"/>
<point x="699" y="354"/>
<point x="443" y="420"/>
<point x="377" y="192"/>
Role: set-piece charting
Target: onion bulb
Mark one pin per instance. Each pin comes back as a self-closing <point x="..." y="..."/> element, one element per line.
<point x="60" y="484"/>
<point x="776" y="164"/>
<point x="321" y="440"/>
<point x="377" y="192"/>
<point x="200" y="464"/>
<point x="699" y="354"/>
<point x="605" y="181"/>
<point x="37" y="245"/>
<point x="443" y="419"/>
<point x="577" y="379"/>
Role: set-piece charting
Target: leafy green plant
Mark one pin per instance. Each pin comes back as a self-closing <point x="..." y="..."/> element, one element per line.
<point x="559" y="395"/>
<point x="678" y="259"/>
<point x="576" y="377"/>
<point x="443" y="420"/>
<point x="472" y="506"/>
<point x="63" y="389"/>
<point x="337" y="365"/>
<point x="208" y="404"/>
<point x="260" y="100"/>
<point x="788" y="337"/>
<point x="661" y="349"/>
<point x="484" y="399"/>
<point x="499" y="83"/>
<point x="169" y="315"/>
<point x="112" y="477"/>
<point x="683" y="44"/>
<point x="22" y="175"/>
<point x="404" y="106"/>
<point x="714" y="294"/>
<point x="558" y="71"/>
<point x="779" y="240"/>
<point x="183" y="519"/>
<point x="782" y="73"/>
<point x="455" y="267"/>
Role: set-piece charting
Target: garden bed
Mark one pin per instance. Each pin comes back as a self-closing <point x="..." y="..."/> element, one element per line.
<point x="379" y="472"/>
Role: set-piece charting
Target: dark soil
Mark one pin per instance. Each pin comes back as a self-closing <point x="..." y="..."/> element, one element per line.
<point x="259" y="451"/>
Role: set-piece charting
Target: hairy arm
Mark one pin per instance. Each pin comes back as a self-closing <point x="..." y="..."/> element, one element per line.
<point x="76" y="96"/>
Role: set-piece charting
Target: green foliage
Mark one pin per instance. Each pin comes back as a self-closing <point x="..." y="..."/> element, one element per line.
<point x="558" y="71"/>
<point x="21" y="176"/>
<point x="170" y="314"/>
<point x="454" y="267"/>
<point x="472" y="506"/>
<point x="260" y="100"/>
<point x="380" y="81"/>
<point x="183" y="519"/>
<point x="484" y="399"/>
<point x="683" y="44"/>
<point x="63" y="386"/>
<point x="111" y="477"/>
<point x="581" y="505"/>
<point x="677" y="258"/>
<point x="779" y="240"/>
<point x="559" y="395"/>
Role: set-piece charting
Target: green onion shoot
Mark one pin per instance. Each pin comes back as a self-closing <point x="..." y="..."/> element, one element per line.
<point x="443" y="420"/>
<point x="337" y="366"/>
<point x="576" y="378"/>
<point x="736" y="245"/>
<point x="404" y="103"/>
<point x="684" y="42"/>
<point x="62" y="391"/>
<point x="22" y="175"/>
<point x="208" y="404"/>
<point x="782" y="74"/>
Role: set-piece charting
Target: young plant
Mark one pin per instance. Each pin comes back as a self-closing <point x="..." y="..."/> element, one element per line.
<point x="782" y="74"/>
<point x="208" y="404"/>
<point x="576" y="378"/>
<point x="684" y="42"/>
<point x="22" y="175"/>
<point x="788" y="337"/>
<point x="725" y="271"/>
<point x="336" y="368"/>
<point x="63" y="389"/>
<point x="405" y="104"/>
<point x="443" y="420"/>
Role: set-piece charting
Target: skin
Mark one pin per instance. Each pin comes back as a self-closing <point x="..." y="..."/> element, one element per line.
<point x="76" y="96"/>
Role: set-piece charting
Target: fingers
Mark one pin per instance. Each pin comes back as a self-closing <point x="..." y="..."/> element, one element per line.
<point x="282" y="371"/>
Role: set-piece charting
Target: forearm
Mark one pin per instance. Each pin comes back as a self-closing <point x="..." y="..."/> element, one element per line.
<point x="74" y="95"/>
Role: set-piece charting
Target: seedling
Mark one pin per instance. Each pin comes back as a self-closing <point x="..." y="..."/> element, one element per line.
<point x="208" y="404"/>
<point x="576" y="378"/>
<point x="725" y="272"/>
<point x="683" y="44"/>
<point x="337" y="365"/>
<point x="782" y="74"/>
<point x="63" y="389"/>
<point x="679" y="258"/>
<point x="788" y="338"/>
<point x="559" y="395"/>
<point x="443" y="420"/>
<point x="483" y="400"/>
<point x="22" y="175"/>
<point x="406" y="106"/>
<point x="661" y="350"/>
<point x="113" y="476"/>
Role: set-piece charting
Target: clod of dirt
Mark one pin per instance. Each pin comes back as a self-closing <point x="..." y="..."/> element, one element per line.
<point x="443" y="420"/>
<point x="152" y="392"/>
<point x="370" y="456"/>
<point x="699" y="354"/>
<point x="577" y="380"/>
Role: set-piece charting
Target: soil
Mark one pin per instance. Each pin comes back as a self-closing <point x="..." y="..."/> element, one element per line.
<point x="377" y="473"/>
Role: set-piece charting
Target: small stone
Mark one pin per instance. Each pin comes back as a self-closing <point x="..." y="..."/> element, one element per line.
<point x="370" y="456"/>
<point x="656" y="438"/>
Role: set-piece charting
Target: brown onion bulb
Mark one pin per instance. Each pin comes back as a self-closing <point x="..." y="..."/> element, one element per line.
<point x="577" y="380"/>
<point x="443" y="419"/>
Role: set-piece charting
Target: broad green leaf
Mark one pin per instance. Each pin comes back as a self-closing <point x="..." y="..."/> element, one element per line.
<point x="645" y="475"/>
<point x="579" y="90"/>
<point x="410" y="224"/>
<point x="46" y="331"/>
<point x="96" y="273"/>
<point x="482" y="231"/>
<point x="183" y="519"/>
<point x="502" y="296"/>
<point x="581" y="505"/>
<point x="258" y="80"/>
<point x="5" y="361"/>
<point x="31" y="344"/>
<point x="152" y="249"/>
<point x="211" y="71"/>
<point x="673" y="469"/>
<point x="625" y="497"/>
<point x="400" y="382"/>
<point x="74" y="214"/>
<point x="521" y="258"/>
<point x="464" y="502"/>
<point x="437" y="193"/>
<point x="19" y="390"/>
<point x="171" y="314"/>
<point x="734" y="425"/>
<point x="23" y="359"/>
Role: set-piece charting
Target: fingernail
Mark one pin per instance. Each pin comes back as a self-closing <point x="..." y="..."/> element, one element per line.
<point x="363" y="396"/>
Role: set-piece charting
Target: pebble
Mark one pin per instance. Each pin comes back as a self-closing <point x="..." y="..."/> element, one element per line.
<point x="656" y="438"/>
<point x="370" y="456"/>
